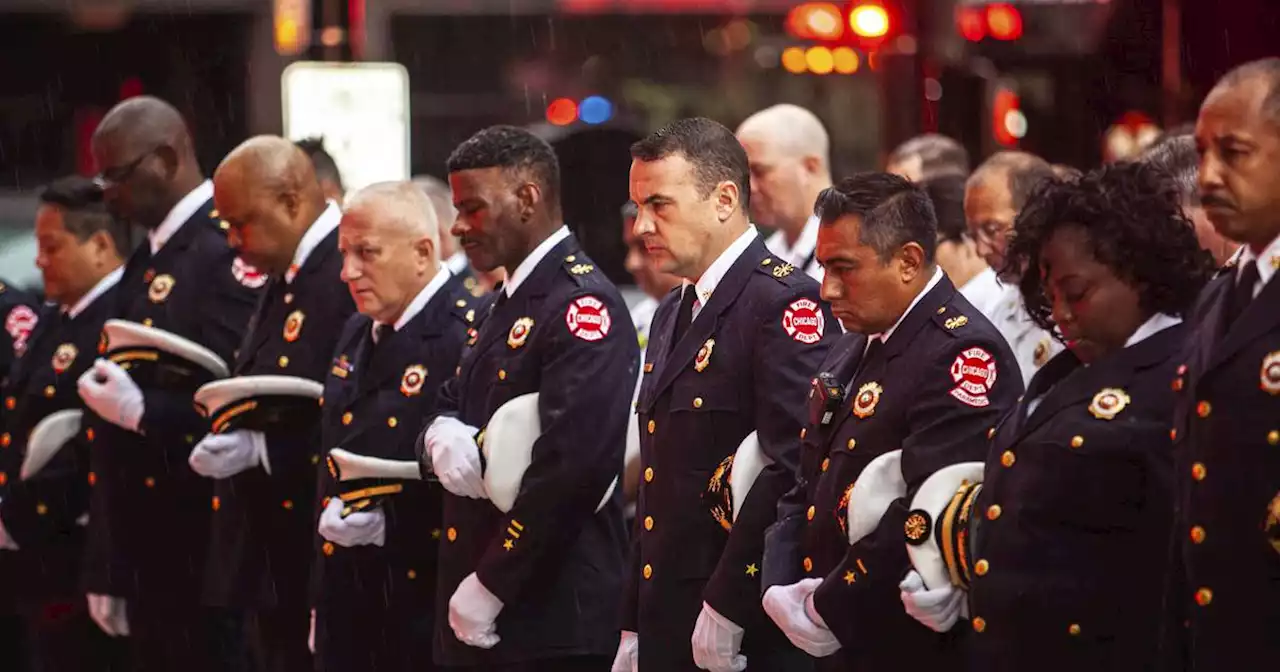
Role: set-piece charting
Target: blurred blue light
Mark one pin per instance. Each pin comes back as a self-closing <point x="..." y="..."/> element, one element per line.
<point x="595" y="110"/>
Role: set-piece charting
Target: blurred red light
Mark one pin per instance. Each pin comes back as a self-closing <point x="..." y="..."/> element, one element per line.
<point x="562" y="112"/>
<point x="1004" y="21"/>
<point x="971" y="23"/>
<point x="816" y="21"/>
<point x="130" y="88"/>
<point x="869" y="20"/>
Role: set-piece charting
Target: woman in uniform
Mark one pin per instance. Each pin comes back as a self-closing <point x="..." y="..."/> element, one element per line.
<point x="1074" y="517"/>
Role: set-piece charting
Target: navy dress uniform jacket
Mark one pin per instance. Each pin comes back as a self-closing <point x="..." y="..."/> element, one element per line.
<point x="904" y="396"/>
<point x="741" y="366"/>
<point x="264" y="524"/>
<point x="374" y="603"/>
<point x="1074" y="517"/>
<point x="20" y="313"/>
<point x="554" y="561"/>
<point x="149" y="512"/>
<point x="1223" y="598"/>
<point x="45" y="515"/>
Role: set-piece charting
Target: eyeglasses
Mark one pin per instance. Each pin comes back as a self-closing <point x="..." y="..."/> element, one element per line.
<point x="116" y="176"/>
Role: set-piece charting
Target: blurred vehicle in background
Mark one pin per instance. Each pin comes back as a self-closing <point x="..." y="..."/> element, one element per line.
<point x="18" y="241"/>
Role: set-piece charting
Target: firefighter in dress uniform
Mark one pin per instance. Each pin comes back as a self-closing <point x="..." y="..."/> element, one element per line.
<point x="44" y="491"/>
<point x="1224" y="593"/>
<point x="533" y="585"/>
<point x="374" y="578"/>
<point x="730" y="357"/>
<point x="920" y="371"/>
<point x="1075" y="505"/>
<point x="149" y="513"/>
<point x="265" y="444"/>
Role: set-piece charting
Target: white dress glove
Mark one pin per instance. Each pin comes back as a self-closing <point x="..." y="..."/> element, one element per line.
<point x="786" y="605"/>
<point x="937" y="609"/>
<point x="108" y="391"/>
<point x="716" y="642"/>
<point x="361" y="528"/>
<point x="225" y="455"/>
<point x="455" y="457"/>
<point x="311" y="634"/>
<point x="473" y="614"/>
<point x="108" y="612"/>
<point x="628" y="653"/>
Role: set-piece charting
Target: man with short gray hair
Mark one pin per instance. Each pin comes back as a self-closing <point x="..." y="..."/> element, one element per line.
<point x="928" y="156"/>
<point x="1176" y="156"/>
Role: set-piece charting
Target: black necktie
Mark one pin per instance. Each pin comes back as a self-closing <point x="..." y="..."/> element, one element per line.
<point x="871" y="352"/>
<point x="1242" y="294"/>
<point x="685" y="315"/>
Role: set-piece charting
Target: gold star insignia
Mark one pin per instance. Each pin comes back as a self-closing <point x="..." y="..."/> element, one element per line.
<point x="508" y="544"/>
<point x="752" y="570"/>
<point x="849" y="577"/>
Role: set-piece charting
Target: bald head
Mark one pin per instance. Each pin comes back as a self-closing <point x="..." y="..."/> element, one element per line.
<point x="788" y="151"/>
<point x="270" y="163"/>
<point x="390" y="243"/>
<point x="142" y="122"/>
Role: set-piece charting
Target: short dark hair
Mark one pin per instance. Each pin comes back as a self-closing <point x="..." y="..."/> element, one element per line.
<point x="894" y="212"/>
<point x="1136" y="227"/>
<point x="939" y="155"/>
<point x="1177" y="159"/>
<point x="1269" y="70"/>
<point x="712" y="149"/>
<point x="1023" y="172"/>
<point x="511" y="148"/>
<point x="946" y="193"/>
<point x="85" y="212"/>
<point x="321" y="160"/>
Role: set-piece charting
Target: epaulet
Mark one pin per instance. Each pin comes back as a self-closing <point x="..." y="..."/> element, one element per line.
<point x="465" y="307"/>
<point x="777" y="269"/>
<point x="579" y="267"/>
<point x="951" y="321"/>
<point x="3" y="288"/>
<point x="217" y="221"/>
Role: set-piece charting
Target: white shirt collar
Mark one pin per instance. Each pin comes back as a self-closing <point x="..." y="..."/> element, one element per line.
<point x="317" y="232"/>
<point x="531" y="262"/>
<point x="800" y="252"/>
<point x="706" y="285"/>
<point x="1154" y="325"/>
<point x="933" y="282"/>
<point x="1267" y="263"/>
<point x="457" y="263"/>
<point x="420" y="301"/>
<point x="179" y="215"/>
<point x="107" y="282"/>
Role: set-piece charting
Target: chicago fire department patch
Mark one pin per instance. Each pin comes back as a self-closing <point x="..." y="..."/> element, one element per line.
<point x="247" y="275"/>
<point x="19" y="323"/>
<point x="803" y="321"/>
<point x="974" y="373"/>
<point x="588" y="318"/>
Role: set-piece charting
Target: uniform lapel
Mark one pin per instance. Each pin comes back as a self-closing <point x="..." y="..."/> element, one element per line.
<point x="704" y="325"/>
<point x="495" y="328"/>
<point x="258" y="331"/>
<point x="401" y="348"/>
<point x="1259" y="317"/>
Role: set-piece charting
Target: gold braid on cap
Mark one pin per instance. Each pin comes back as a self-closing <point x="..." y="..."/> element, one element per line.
<point x="947" y="528"/>
<point x="962" y="535"/>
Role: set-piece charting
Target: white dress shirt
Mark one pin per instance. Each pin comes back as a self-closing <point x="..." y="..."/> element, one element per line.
<point x="984" y="291"/>
<point x="706" y="285"/>
<point x="317" y="232"/>
<point x="179" y="215"/>
<point x="107" y="282"/>
<point x="802" y="254"/>
<point x="1267" y="263"/>
<point x="531" y="262"/>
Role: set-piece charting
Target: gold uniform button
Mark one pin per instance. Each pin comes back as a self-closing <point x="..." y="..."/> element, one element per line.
<point x="852" y="443"/>
<point x="347" y="418"/>
<point x="1197" y="535"/>
<point x="812" y="510"/>
<point x="826" y="463"/>
<point x="411" y="574"/>
<point x="808" y="564"/>
<point x="1198" y="471"/>
<point x="1008" y="458"/>
<point x="502" y="374"/>
<point x="648" y="474"/>
<point x="652" y="426"/>
<point x="648" y="571"/>
<point x="1173" y="434"/>
<point x="697" y="402"/>
<point x="283" y="361"/>
<point x="5" y="440"/>
<point x="327" y="548"/>
<point x="1203" y="409"/>
<point x="49" y="391"/>
<point x="981" y="567"/>
<point x="979" y="624"/>
<point x="88" y="434"/>
<point x="803" y="431"/>
<point x="1204" y="596"/>
<point x="392" y="422"/>
<point x="149" y="482"/>
<point x="93" y="478"/>
<point x="1273" y="437"/>
<point x="460" y="303"/>
<point x="147" y="322"/>
<point x="648" y="522"/>
<point x="1077" y="441"/>
<point x="1073" y="629"/>
<point x="287" y="504"/>
<point x="215" y="503"/>
<point x="41" y="509"/>
<point x="451" y="534"/>
<point x="10" y="402"/>
<point x="993" y="512"/>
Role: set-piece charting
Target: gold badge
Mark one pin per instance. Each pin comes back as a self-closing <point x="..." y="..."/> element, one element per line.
<point x="704" y="355"/>
<point x="1270" y="377"/>
<point x="411" y="382"/>
<point x="864" y="405"/>
<point x="1108" y="403"/>
<point x="160" y="288"/>
<point x="581" y="269"/>
<point x="64" y="356"/>
<point x="519" y="332"/>
<point x="783" y="270"/>
<point x="1272" y="525"/>
<point x="293" y="325"/>
<point x="956" y="322"/>
<point x="1041" y="354"/>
